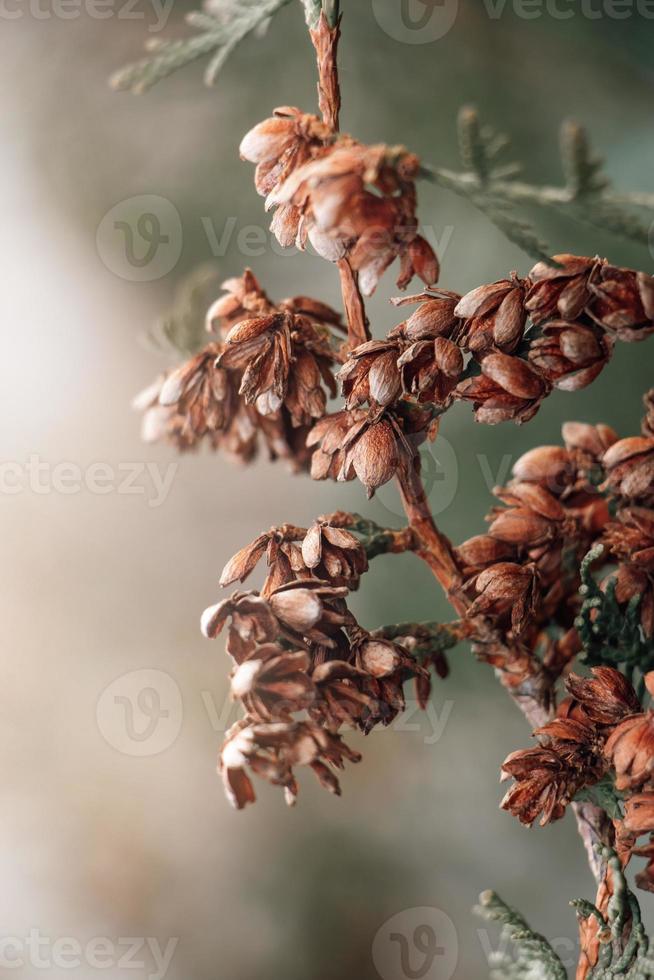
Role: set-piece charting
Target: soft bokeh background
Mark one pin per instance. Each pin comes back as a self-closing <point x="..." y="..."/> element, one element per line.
<point x="96" y="842"/>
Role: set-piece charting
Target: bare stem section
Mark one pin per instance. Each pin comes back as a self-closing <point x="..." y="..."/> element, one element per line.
<point x="325" y="40"/>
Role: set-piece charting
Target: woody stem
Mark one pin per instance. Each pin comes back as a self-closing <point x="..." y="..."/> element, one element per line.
<point x="437" y="552"/>
<point x="358" y="330"/>
<point x="432" y="546"/>
<point x="323" y="18"/>
<point x="325" y="34"/>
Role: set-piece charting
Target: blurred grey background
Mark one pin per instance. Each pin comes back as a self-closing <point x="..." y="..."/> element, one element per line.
<point x="97" y="842"/>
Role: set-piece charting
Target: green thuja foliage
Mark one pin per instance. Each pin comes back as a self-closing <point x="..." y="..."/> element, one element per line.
<point x="624" y="948"/>
<point x="611" y="634"/>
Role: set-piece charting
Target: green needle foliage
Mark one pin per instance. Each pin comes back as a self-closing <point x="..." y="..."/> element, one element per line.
<point x="494" y="189"/>
<point x="610" y="636"/>
<point x="624" y="947"/>
<point x="218" y="33"/>
<point x="531" y="958"/>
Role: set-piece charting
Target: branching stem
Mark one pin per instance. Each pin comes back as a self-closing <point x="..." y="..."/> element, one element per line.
<point x="533" y="697"/>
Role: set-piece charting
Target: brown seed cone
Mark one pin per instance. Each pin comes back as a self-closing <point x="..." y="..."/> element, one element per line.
<point x="607" y="698"/>
<point x="271" y="751"/>
<point x="548" y="777"/>
<point x="341" y="695"/>
<point x="195" y="400"/>
<point x="587" y="444"/>
<point x="359" y="202"/>
<point x="630" y="750"/>
<point x="243" y="298"/>
<point x="561" y="290"/>
<point x="324" y="552"/>
<point x="506" y="588"/>
<point x="506" y="390"/>
<point x="272" y="683"/>
<point x="357" y="443"/>
<point x="570" y="355"/>
<point x="494" y="316"/>
<point x="545" y="783"/>
<point x="629" y="465"/>
<point x="308" y="613"/>
<point x="284" y="360"/>
<point x="328" y="436"/>
<point x="639" y="814"/>
<point x="620" y="301"/>
<point x="481" y="551"/>
<point x="371" y="374"/>
<point x="551" y="466"/>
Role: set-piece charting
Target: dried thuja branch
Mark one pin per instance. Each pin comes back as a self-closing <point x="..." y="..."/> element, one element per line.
<point x="263" y="377"/>
<point x="566" y="568"/>
<point x="494" y="188"/>
<point x="297" y="647"/>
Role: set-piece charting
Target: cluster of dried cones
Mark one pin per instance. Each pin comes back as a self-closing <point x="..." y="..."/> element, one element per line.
<point x="297" y="648"/>
<point x="265" y="376"/>
<point x="524" y="573"/>
<point x="352" y="202"/>
<point x="601" y="730"/>
<point x="503" y="347"/>
<point x="598" y="489"/>
<point x="303" y="666"/>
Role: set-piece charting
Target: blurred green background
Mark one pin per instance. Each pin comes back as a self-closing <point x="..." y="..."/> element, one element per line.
<point x="100" y="843"/>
